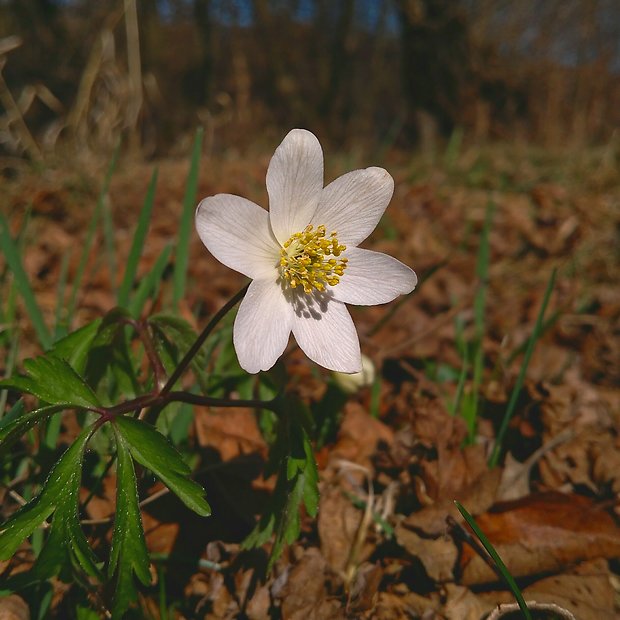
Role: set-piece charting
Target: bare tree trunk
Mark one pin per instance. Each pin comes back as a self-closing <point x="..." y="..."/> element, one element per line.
<point x="269" y="41"/>
<point x="339" y="57"/>
<point x="435" y="57"/>
<point x="202" y="17"/>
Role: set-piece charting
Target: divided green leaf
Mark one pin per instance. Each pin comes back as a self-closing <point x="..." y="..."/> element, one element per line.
<point x="152" y="450"/>
<point x="74" y="347"/>
<point x="53" y="380"/>
<point x="297" y="483"/>
<point x="15" y="423"/>
<point x="66" y="546"/>
<point x="128" y="554"/>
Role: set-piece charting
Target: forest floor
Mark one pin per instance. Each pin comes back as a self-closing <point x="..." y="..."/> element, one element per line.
<point x="389" y="542"/>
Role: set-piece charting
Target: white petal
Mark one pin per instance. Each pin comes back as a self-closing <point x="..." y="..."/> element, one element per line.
<point x="294" y="183"/>
<point x="237" y="232"/>
<point x="262" y="326"/>
<point x="373" y="278"/>
<point x="353" y="204"/>
<point x="325" y="332"/>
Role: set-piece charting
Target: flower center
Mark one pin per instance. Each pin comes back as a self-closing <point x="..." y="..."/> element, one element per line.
<point x="310" y="259"/>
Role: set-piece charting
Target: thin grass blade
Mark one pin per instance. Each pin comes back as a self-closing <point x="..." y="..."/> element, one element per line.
<point x="108" y="239"/>
<point x="9" y="366"/>
<point x="138" y="243"/>
<point x="90" y="233"/>
<point x="149" y="285"/>
<point x="14" y="261"/>
<point x="187" y="219"/>
<point x="59" y="321"/>
<point x="512" y="403"/>
<point x="482" y="272"/>
<point x="512" y="584"/>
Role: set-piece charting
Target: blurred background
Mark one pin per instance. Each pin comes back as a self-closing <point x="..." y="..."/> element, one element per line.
<point x="387" y="73"/>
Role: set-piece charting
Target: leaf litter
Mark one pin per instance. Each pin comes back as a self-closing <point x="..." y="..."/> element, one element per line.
<point x="388" y="541"/>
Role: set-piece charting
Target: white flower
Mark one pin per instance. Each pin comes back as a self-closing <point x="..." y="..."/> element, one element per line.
<point x="302" y="257"/>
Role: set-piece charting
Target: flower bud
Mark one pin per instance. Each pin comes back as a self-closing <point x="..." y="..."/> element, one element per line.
<point x="351" y="383"/>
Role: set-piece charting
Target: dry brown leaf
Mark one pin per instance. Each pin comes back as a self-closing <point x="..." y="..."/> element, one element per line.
<point x="455" y="471"/>
<point x="462" y="604"/>
<point x="160" y="536"/>
<point x="438" y="555"/>
<point x="304" y="596"/>
<point x="231" y="431"/>
<point x="360" y="435"/>
<point x="396" y="606"/>
<point x="477" y="497"/>
<point x="515" y="481"/>
<point x="585" y="591"/>
<point x="542" y="533"/>
<point x="338" y="525"/>
<point x="13" y="607"/>
<point x="364" y="590"/>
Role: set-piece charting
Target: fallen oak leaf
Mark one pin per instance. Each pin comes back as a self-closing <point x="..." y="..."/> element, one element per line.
<point x="586" y="593"/>
<point x="542" y="533"/>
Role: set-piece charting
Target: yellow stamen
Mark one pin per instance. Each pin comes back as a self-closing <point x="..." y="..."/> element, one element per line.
<point x="311" y="261"/>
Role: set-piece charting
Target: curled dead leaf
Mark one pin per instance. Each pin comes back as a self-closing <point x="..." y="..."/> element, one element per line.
<point x="542" y="533"/>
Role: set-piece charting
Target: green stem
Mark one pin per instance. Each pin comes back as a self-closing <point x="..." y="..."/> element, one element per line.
<point x="149" y="348"/>
<point x="512" y="403"/>
<point x="161" y="396"/>
<point x="189" y="356"/>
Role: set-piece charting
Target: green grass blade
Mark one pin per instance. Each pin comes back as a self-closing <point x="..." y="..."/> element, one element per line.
<point x="149" y="285"/>
<point x="138" y="243"/>
<point x="108" y="239"/>
<point x="9" y="366"/>
<point x="512" y="584"/>
<point x="453" y="150"/>
<point x="187" y="220"/>
<point x="59" y="321"/>
<point x="90" y="233"/>
<point x="470" y="411"/>
<point x="13" y="259"/>
<point x="460" y="386"/>
<point x="512" y="403"/>
<point x="9" y="311"/>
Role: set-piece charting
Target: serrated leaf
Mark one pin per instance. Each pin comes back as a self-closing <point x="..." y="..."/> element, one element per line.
<point x="16" y="422"/>
<point x="74" y="347"/>
<point x="52" y="380"/>
<point x="152" y="450"/>
<point x="128" y="554"/>
<point x="66" y="546"/>
<point x="297" y="482"/>
<point x="63" y="477"/>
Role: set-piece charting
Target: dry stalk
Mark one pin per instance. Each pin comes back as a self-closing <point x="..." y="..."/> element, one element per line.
<point x="16" y="118"/>
<point x="352" y="564"/>
<point x="134" y="105"/>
